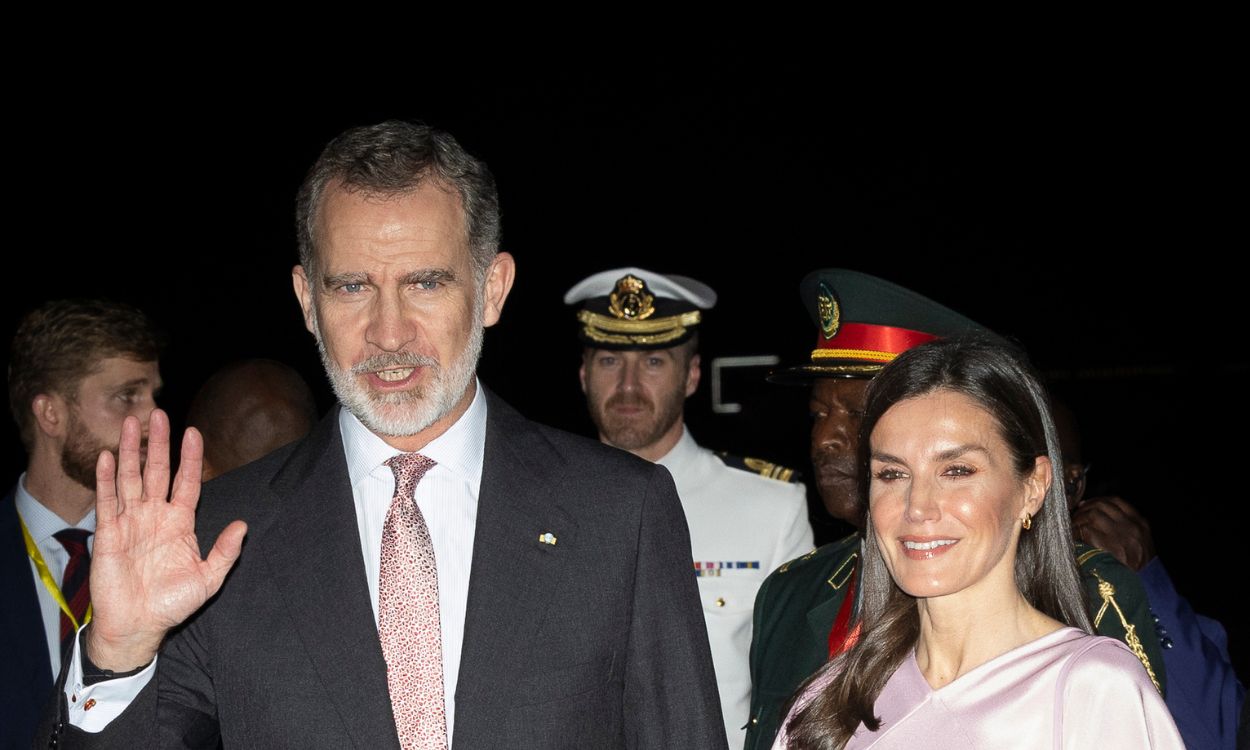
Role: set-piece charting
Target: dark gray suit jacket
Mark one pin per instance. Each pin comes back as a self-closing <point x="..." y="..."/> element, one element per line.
<point x="597" y="641"/>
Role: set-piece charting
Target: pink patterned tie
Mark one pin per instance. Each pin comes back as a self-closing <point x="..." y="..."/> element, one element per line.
<point x="408" y="623"/>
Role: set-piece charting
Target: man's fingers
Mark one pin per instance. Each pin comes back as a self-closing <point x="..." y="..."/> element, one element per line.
<point x="129" y="479"/>
<point x="107" y="505"/>
<point x="1095" y="532"/>
<point x="1118" y="501"/>
<point x="1086" y="525"/>
<point x="1114" y="506"/>
<point x="224" y="553"/>
<point x="1101" y="513"/>
<point x="1119" y="510"/>
<point x="1086" y="515"/>
<point x="1123" y="506"/>
<point x="190" y="469"/>
<point x="156" y="470"/>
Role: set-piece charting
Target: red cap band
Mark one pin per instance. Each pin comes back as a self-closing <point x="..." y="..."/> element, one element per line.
<point x="868" y="342"/>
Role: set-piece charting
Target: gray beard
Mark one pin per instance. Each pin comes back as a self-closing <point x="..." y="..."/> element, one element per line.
<point x="411" y="412"/>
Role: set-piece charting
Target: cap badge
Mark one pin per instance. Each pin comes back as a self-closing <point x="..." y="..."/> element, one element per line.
<point x="829" y="310"/>
<point x="631" y="300"/>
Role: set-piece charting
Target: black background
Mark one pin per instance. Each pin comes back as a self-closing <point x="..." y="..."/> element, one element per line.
<point x="1091" y="218"/>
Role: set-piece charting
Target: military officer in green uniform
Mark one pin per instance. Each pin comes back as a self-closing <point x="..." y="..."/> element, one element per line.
<point x="806" y="611"/>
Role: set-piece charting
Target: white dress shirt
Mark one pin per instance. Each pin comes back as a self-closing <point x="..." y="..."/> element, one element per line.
<point x="42" y="525"/>
<point x="446" y="496"/>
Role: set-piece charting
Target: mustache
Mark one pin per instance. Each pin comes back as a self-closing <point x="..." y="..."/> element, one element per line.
<point x="391" y="361"/>
<point x="627" y="399"/>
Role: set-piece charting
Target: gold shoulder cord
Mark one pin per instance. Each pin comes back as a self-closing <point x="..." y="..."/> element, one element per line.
<point x="1107" y="592"/>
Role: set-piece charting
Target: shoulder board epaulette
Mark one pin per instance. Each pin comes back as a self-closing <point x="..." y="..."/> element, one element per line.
<point x="846" y="548"/>
<point x="766" y="469"/>
<point x="785" y="566"/>
<point x="1085" y="553"/>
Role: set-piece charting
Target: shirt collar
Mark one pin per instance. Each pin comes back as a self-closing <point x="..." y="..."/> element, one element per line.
<point x="41" y="522"/>
<point x="458" y="450"/>
<point x="682" y="453"/>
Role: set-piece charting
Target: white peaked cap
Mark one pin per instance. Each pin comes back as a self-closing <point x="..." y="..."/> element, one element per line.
<point x="663" y="286"/>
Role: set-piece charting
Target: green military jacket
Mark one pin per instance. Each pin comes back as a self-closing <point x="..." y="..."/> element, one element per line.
<point x="794" y="611"/>
<point x="1119" y="608"/>
<point x="797" y="604"/>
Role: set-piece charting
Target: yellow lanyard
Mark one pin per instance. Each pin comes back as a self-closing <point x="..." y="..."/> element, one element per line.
<point x="45" y="575"/>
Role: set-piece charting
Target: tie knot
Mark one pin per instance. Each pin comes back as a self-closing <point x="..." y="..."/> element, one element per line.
<point x="73" y="540"/>
<point x="409" y="468"/>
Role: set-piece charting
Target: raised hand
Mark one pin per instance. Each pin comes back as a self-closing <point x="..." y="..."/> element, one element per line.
<point x="146" y="571"/>
<point x="1116" y="526"/>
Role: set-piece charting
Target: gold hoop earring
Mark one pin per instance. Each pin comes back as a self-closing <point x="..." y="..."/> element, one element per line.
<point x="1027" y="523"/>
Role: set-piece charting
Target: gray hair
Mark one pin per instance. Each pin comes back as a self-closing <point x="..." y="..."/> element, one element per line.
<point x="393" y="158"/>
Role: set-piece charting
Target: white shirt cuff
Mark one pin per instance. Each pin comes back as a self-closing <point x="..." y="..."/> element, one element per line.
<point x="92" y="707"/>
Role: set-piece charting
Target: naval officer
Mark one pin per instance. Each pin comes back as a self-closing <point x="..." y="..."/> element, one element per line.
<point x="639" y="364"/>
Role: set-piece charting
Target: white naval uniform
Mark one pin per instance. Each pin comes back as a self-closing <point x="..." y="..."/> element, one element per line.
<point x="742" y="527"/>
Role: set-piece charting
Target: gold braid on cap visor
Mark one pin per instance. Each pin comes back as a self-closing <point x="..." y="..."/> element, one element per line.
<point x="822" y="370"/>
<point x="868" y="354"/>
<point x="607" y="330"/>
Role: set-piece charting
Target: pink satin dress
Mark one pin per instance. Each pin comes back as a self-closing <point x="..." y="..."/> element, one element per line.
<point x="1066" y="690"/>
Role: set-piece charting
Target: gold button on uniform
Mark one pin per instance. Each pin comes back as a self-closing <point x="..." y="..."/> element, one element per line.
<point x="720" y="601"/>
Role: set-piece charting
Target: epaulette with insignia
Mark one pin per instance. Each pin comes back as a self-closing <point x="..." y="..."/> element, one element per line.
<point x="766" y="469"/>
<point x="844" y="551"/>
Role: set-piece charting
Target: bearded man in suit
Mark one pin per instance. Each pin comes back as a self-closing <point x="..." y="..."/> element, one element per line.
<point x="77" y="369"/>
<point x="427" y="568"/>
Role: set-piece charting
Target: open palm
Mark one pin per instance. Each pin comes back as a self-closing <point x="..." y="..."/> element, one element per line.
<point x="147" y="575"/>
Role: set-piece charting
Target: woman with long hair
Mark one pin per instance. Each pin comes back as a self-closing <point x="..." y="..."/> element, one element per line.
<point x="974" y="629"/>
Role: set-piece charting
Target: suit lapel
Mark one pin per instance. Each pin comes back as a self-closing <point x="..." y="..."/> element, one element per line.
<point x="316" y="562"/>
<point x="514" y="576"/>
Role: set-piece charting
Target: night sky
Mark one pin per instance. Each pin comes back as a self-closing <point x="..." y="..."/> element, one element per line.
<point x="1092" y="223"/>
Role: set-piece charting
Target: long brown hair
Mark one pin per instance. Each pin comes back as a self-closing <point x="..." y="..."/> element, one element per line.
<point x="999" y="379"/>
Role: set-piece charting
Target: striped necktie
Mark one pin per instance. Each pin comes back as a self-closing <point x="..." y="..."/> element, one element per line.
<point x="76" y="583"/>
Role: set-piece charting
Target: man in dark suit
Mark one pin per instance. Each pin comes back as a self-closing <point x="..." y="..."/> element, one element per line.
<point x="518" y="588"/>
<point x="77" y="369"/>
